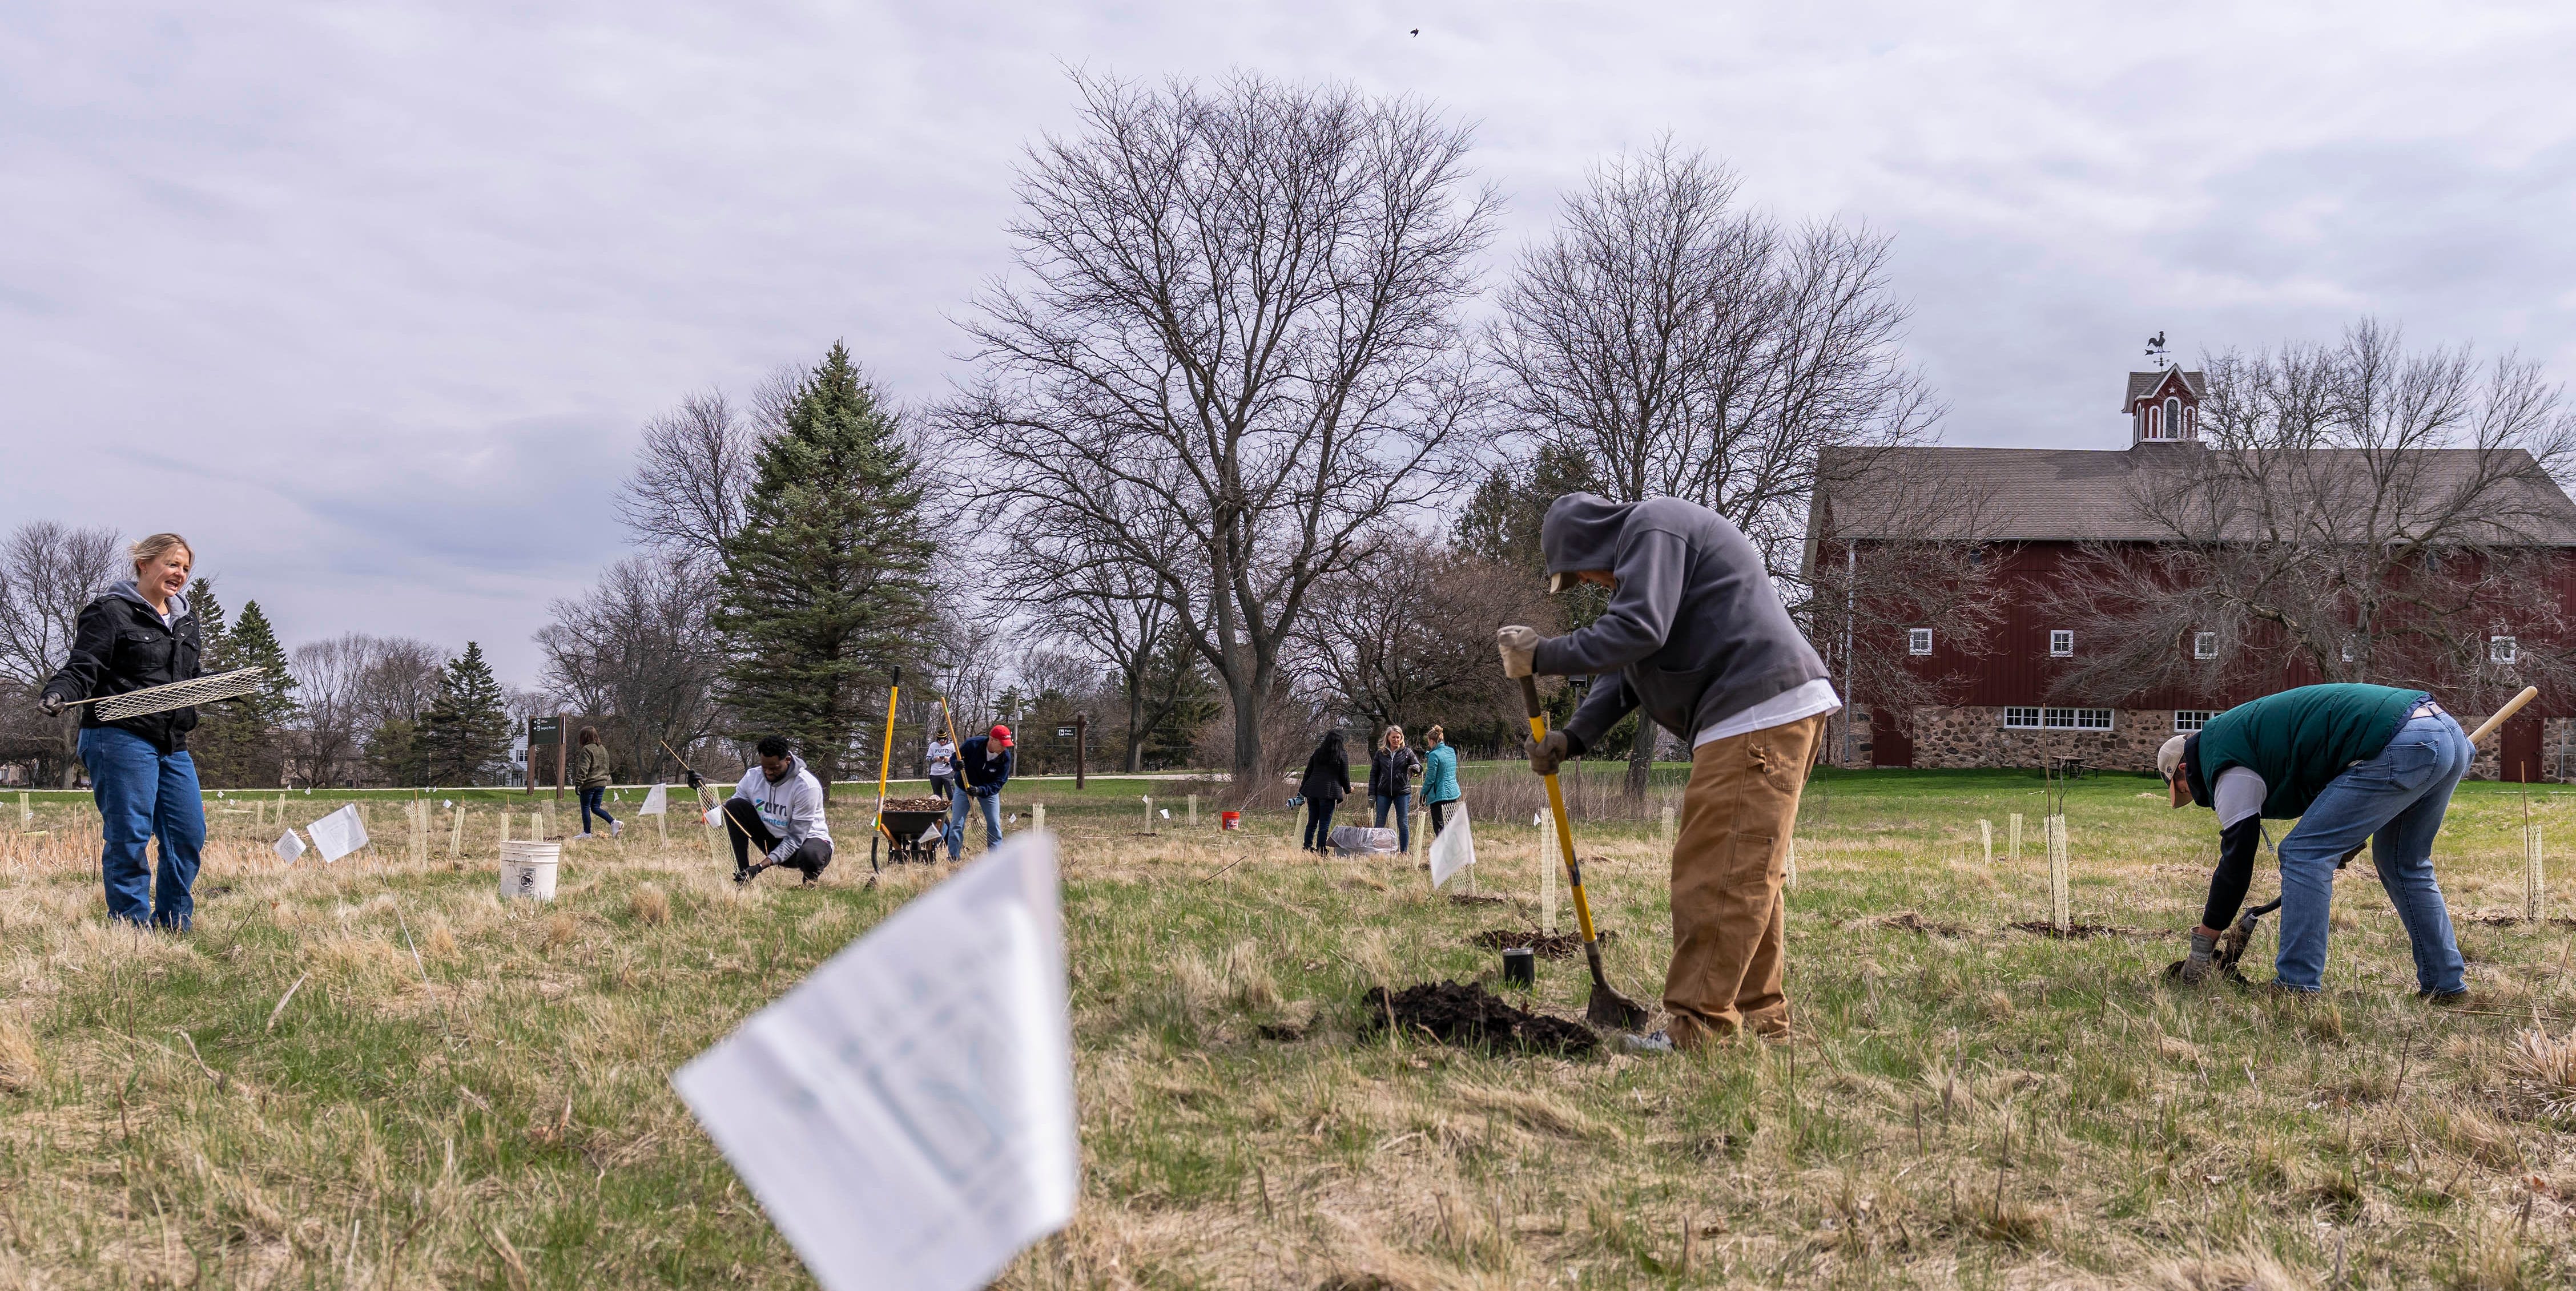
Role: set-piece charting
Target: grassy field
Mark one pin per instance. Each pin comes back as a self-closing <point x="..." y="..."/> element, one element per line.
<point x="1961" y="1102"/>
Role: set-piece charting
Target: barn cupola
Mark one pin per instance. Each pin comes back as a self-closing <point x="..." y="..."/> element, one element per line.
<point x="2164" y="406"/>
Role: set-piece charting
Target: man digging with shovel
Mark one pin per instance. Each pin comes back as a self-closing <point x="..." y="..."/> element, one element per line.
<point x="2356" y="765"/>
<point x="1700" y="641"/>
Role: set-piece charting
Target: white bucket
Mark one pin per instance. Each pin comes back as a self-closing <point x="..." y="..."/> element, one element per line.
<point x="528" y="869"/>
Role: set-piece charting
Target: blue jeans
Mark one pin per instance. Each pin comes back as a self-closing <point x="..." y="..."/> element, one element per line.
<point x="2396" y="801"/>
<point x="142" y="795"/>
<point x="592" y="805"/>
<point x="1403" y="804"/>
<point x="956" y="831"/>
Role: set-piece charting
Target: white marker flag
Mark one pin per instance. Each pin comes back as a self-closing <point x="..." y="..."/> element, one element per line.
<point x="339" y="833"/>
<point x="289" y="847"/>
<point x="657" y="802"/>
<point x="905" y="1115"/>
<point x="1454" y="849"/>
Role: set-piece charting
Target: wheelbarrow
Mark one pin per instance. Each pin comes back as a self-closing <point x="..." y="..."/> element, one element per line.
<point x="910" y="835"/>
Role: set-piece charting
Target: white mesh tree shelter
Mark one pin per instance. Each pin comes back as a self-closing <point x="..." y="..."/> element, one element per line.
<point x="177" y="694"/>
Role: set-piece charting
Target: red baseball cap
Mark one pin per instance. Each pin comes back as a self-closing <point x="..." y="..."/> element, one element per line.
<point x="1002" y="735"/>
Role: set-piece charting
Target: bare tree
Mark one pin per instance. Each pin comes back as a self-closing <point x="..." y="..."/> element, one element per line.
<point x="1406" y="636"/>
<point x="361" y="698"/>
<point x="692" y="473"/>
<point x="1694" y="350"/>
<point x="636" y="649"/>
<point x="2361" y="512"/>
<point x="1241" y="331"/>
<point x="48" y="571"/>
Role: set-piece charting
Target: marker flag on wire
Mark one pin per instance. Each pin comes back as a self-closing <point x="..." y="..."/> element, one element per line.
<point x="1453" y="850"/>
<point x="657" y="802"/>
<point x="905" y="1115"/>
<point x="339" y="833"/>
<point x="289" y="847"/>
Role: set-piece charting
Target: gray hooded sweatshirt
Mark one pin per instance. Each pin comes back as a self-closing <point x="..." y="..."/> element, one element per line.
<point x="1695" y="632"/>
<point x="792" y="808"/>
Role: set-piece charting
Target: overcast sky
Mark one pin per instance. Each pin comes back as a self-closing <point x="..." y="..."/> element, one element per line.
<point x="369" y="299"/>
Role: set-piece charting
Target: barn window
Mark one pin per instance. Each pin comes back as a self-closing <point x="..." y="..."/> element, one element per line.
<point x="2021" y="719"/>
<point x="2061" y="643"/>
<point x="2192" y="719"/>
<point x="2500" y="650"/>
<point x="2173" y="418"/>
<point x="2057" y="719"/>
<point x="2151" y="432"/>
<point x="2204" y="645"/>
<point x="1918" y="641"/>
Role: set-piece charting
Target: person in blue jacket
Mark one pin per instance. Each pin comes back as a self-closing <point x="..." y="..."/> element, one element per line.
<point x="983" y="767"/>
<point x="1439" y="777"/>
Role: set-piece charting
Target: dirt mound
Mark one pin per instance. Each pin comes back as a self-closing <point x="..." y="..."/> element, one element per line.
<point x="1908" y="921"/>
<point x="2080" y="931"/>
<point x="1548" y="945"/>
<point x="916" y="804"/>
<point x="1464" y="1013"/>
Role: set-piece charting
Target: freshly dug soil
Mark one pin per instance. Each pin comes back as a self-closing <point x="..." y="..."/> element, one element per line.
<point x="2080" y="931"/>
<point x="916" y="804"/>
<point x="1464" y="1013"/>
<point x="1909" y="921"/>
<point x="1547" y="945"/>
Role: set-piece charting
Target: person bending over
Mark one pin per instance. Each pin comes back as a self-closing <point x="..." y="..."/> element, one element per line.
<point x="983" y="767"/>
<point x="1697" y="637"/>
<point x="1327" y="781"/>
<point x="590" y="776"/>
<point x="141" y="633"/>
<point x="2355" y="765"/>
<point x="778" y="807"/>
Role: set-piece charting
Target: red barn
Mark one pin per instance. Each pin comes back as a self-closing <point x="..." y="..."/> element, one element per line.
<point x="1999" y="700"/>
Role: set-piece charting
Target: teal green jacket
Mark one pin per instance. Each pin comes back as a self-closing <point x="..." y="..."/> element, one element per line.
<point x="2297" y="740"/>
<point x="1440" y="775"/>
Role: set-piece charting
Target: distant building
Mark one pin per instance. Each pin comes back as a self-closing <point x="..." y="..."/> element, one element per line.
<point x="1999" y="706"/>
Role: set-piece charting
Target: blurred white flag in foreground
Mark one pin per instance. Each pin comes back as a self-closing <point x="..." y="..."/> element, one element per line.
<point x="289" y="847"/>
<point x="905" y="1115"/>
<point x="1454" y="850"/>
<point x="339" y="833"/>
<point x="656" y="802"/>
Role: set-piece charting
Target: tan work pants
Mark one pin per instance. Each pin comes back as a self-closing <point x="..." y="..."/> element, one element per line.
<point x="1728" y="862"/>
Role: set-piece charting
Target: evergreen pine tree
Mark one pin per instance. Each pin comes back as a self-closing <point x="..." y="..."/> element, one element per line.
<point x="467" y="727"/>
<point x="210" y="625"/>
<point x="237" y="743"/>
<point x="825" y="587"/>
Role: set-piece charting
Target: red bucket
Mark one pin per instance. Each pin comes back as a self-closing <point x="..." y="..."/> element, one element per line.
<point x="1229" y="820"/>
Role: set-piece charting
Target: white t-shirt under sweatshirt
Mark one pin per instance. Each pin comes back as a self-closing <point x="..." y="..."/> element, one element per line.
<point x="1788" y="706"/>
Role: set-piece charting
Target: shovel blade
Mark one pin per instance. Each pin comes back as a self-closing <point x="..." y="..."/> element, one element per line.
<point x="1608" y="1008"/>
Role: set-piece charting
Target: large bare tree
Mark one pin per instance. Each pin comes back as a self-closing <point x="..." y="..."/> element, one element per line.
<point x="695" y="467"/>
<point x="2362" y="512"/>
<point x="361" y="696"/>
<point x="48" y="571"/>
<point x="1696" y="350"/>
<point x="1233" y="348"/>
<point x="636" y="649"/>
<point x="1406" y="637"/>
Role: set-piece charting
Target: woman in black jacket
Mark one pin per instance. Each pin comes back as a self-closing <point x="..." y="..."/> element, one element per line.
<point x="141" y="633"/>
<point x="1327" y="782"/>
<point x="1391" y="771"/>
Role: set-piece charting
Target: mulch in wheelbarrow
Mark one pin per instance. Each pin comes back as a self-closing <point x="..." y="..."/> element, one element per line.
<point x="931" y="803"/>
<point x="1465" y="1013"/>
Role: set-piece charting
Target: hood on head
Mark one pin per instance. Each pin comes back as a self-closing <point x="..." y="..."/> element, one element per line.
<point x="133" y="591"/>
<point x="1581" y="532"/>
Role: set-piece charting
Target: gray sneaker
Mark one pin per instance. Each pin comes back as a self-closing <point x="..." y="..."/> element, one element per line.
<point x="1652" y="1044"/>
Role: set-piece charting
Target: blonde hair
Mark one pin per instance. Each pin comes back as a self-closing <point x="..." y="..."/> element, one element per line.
<point x="156" y="546"/>
<point x="1386" y="739"/>
<point x="1435" y="735"/>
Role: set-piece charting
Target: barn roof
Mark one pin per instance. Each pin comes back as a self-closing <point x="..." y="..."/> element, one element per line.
<point x="2077" y="495"/>
<point x="2141" y="383"/>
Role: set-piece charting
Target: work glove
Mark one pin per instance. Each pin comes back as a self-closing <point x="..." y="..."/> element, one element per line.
<point x="52" y="704"/>
<point x="696" y="781"/>
<point x="2196" y="967"/>
<point x="1517" y="645"/>
<point x="1548" y="754"/>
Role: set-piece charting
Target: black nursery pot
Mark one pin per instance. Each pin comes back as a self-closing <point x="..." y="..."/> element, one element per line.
<point x="1520" y="967"/>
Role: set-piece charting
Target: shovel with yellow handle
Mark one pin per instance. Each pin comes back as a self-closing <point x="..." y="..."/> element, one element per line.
<point x="1606" y="1008"/>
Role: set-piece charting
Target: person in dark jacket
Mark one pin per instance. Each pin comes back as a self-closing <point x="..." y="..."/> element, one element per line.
<point x="1696" y="636"/>
<point x="1392" y="767"/>
<point x="590" y="776"/>
<point x="141" y="633"/>
<point x="2354" y="765"/>
<point x="983" y="767"/>
<point x="1326" y="783"/>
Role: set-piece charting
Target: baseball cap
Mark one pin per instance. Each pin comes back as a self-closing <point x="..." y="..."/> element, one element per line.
<point x="1002" y="735"/>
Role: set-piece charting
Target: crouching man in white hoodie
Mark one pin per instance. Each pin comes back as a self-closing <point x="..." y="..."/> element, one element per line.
<point x="779" y="807"/>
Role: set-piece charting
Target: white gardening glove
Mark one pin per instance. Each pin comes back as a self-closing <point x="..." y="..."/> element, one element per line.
<point x="1517" y="644"/>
